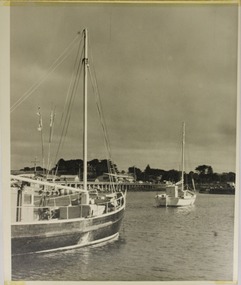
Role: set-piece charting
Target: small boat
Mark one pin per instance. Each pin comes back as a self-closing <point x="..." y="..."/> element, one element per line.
<point x="220" y="188"/>
<point x="50" y="215"/>
<point x="176" y="195"/>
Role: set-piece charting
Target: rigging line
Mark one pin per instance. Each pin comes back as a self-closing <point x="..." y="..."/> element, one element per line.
<point x="78" y="56"/>
<point x="65" y="113"/>
<point x="109" y="162"/>
<point x="67" y="117"/>
<point x="69" y="107"/>
<point x="73" y="77"/>
<point x="65" y="127"/>
<point x="106" y="139"/>
<point x="28" y="93"/>
<point x="49" y="71"/>
<point x="103" y="124"/>
<point x="34" y="87"/>
<point x="99" y="106"/>
<point x="103" y="121"/>
<point x="100" y="114"/>
<point x="73" y="94"/>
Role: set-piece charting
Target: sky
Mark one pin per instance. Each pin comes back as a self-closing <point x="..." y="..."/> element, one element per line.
<point x="156" y="65"/>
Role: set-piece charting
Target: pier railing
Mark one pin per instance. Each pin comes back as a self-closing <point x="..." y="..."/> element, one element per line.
<point x="57" y="184"/>
<point x="106" y="186"/>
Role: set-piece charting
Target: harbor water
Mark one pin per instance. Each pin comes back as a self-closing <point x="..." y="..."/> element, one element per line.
<point x="155" y="244"/>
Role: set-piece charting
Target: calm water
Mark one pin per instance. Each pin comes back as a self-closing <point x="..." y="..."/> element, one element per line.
<point x="162" y="244"/>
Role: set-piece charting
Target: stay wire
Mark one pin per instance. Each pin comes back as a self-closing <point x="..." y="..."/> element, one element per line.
<point x="56" y="63"/>
<point x="100" y="108"/>
<point x="78" y="56"/>
<point x="102" y="121"/>
<point x="69" y="101"/>
<point x="100" y="113"/>
<point x="67" y="117"/>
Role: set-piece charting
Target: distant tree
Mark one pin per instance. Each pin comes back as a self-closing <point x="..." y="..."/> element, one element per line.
<point x="95" y="167"/>
<point x="231" y="177"/>
<point x="147" y="170"/>
<point x="227" y="177"/>
<point x="26" y="168"/>
<point x="38" y="168"/>
<point x="136" y="172"/>
<point x="101" y="167"/>
<point x="216" y="177"/>
<point x="205" y="173"/>
<point x="171" y="175"/>
<point x="204" y="169"/>
<point x="60" y="166"/>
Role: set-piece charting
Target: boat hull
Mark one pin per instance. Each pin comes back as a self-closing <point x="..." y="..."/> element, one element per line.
<point x="166" y="201"/>
<point x="60" y="235"/>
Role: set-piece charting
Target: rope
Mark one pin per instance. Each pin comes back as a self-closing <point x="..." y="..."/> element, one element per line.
<point x="69" y="101"/>
<point x="95" y="87"/>
<point x="100" y="110"/>
<point x="72" y="78"/>
<point x="56" y="63"/>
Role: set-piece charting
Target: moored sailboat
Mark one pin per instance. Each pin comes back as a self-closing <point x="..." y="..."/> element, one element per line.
<point x="49" y="216"/>
<point x="177" y="195"/>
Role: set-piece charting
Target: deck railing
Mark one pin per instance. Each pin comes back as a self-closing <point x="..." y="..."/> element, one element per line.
<point x="54" y="210"/>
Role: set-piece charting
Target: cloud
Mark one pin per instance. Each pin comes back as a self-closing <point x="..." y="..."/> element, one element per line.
<point x="156" y="67"/>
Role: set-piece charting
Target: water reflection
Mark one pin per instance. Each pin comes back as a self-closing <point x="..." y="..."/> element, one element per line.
<point x="177" y="210"/>
<point x="59" y="265"/>
<point x="185" y="210"/>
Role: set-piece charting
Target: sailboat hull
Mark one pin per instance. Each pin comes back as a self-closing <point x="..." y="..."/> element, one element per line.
<point x="62" y="235"/>
<point x="165" y="201"/>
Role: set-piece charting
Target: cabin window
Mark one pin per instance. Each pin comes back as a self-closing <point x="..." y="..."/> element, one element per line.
<point x="27" y="199"/>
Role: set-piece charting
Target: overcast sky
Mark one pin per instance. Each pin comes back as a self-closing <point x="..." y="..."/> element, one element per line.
<point x="156" y="66"/>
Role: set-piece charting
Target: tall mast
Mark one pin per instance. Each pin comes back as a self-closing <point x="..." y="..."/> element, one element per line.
<point x="183" y="146"/>
<point x="85" y="61"/>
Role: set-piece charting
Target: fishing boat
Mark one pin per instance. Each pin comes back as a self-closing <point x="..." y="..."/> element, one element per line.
<point x="177" y="194"/>
<point x="49" y="215"/>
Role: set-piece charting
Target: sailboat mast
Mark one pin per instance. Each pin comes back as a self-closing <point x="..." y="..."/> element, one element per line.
<point x="85" y="61"/>
<point x="183" y="146"/>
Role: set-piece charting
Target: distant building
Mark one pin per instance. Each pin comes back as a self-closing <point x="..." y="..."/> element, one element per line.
<point x="121" y="178"/>
<point x="102" y="178"/>
<point x="70" y="178"/>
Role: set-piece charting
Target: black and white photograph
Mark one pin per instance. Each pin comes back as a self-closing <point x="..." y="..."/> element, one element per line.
<point x="123" y="142"/>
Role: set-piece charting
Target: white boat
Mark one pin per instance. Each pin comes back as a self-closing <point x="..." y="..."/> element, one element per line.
<point x="49" y="216"/>
<point x="176" y="195"/>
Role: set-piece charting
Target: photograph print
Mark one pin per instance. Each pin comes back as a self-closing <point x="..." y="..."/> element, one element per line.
<point x="123" y="136"/>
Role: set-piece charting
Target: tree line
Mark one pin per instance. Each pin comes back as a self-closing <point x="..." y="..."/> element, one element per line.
<point x="201" y="174"/>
